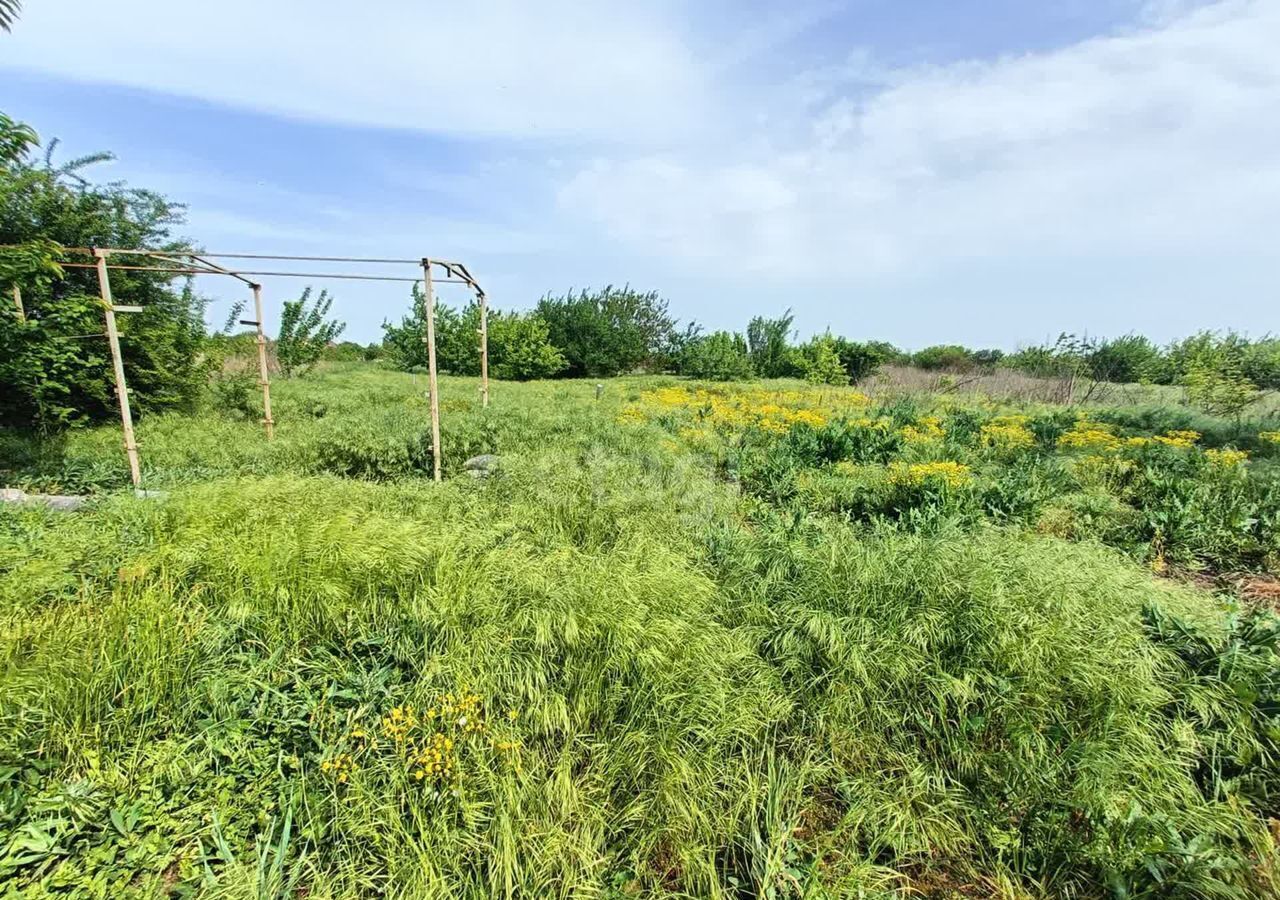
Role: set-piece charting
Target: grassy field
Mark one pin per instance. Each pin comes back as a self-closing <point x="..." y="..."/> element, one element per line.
<point x="761" y="640"/>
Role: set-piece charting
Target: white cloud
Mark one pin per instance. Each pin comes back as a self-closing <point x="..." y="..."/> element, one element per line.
<point x="1163" y="140"/>
<point x="489" y="67"/>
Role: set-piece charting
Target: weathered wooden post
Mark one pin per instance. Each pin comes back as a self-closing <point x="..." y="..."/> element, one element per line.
<point x="117" y="363"/>
<point x="17" y="302"/>
<point x="484" y="350"/>
<point x="429" y="302"/>
<point x="264" y="378"/>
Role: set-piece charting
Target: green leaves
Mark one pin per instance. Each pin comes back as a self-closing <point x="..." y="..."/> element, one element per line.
<point x="305" y="332"/>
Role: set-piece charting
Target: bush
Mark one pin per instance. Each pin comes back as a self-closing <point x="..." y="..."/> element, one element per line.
<point x="1125" y="360"/>
<point x="769" y="343"/>
<point x="305" y="332"/>
<point x="611" y="331"/>
<point x="54" y="364"/>
<point x="520" y="348"/>
<point x="819" y="361"/>
<point x="721" y="356"/>
<point x="862" y="359"/>
<point x="944" y="357"/>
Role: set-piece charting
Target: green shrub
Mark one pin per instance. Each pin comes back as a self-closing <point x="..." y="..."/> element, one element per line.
<point x="720" y="356"/>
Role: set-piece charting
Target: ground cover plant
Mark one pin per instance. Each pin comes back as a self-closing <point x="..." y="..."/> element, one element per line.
<point x="745" y="640"/>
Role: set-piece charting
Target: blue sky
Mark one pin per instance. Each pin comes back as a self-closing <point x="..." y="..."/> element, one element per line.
<point x="921" y="171"/>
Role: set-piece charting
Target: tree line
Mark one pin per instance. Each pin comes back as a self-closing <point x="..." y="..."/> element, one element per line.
<point x="55" y="368"/>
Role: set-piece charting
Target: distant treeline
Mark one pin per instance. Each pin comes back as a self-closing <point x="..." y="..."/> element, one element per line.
<point x="620" y="330"/>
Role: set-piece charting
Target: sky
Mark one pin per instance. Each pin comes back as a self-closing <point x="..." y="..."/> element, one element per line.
<point x="985" y="172"/>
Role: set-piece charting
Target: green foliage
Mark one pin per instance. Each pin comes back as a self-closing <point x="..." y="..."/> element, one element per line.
<point x="819" y="362"/>
<point x="1219" y="387"/>
<point x="824" y="667"/>
<point x="519" y="342"/>
<point x="944" y="357"/>
<point x="862" y="359"/>
<point x="721" y="356"/>
<point x="611" y="331"/>
<point x="305" y="332"/>
<point x="350" y="351"/>
<point x="55" y="365"/>
<point x="769" y="345"/>
<point x="1125" y="360"/>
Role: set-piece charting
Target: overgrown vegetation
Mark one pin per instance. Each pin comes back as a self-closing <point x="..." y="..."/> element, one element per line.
<point x="305" y="332"/>
<point x="719" y="639"/>
<point x="722" y="642"/>
<point x="54" y="363"/>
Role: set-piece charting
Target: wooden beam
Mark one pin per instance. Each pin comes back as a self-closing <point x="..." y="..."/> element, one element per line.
<point x="264" y="378"/>
<point x="117" y="364"/>
<point x="429" y="301"/>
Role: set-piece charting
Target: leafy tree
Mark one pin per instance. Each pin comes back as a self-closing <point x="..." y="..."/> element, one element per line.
<point x="721" y="356"/>
<point x="769" y="344"/>
<point x="819" y="361"/>
<point x="305" y="332"/>
<point x="948" y="357"/>
<point x="861" y="359"/>
<point x="987" y="359"/>
<point x="54" y="362"/>
<point x="611" y="331"/>
<point x="519" y="346"/>
<point x="351" y="351"/>
<point x="1219" y="387"/>
<point x="1124" y="360"/>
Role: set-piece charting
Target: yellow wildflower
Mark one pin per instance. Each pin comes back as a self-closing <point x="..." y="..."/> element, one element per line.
<point x="1226" y="458"/>
<point x="951" y="474"/>
<point x="1007" y="436"/>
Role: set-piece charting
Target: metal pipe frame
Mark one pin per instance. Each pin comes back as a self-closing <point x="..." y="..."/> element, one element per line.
<point x="184" y="262"/>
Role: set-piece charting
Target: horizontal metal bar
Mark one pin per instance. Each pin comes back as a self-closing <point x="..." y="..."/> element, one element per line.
<point x="277" y="274"/>
<point x="368" y="259"/>
<point x="126" y="308"/>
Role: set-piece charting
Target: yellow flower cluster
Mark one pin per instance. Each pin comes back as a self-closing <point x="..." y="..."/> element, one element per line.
<point x="434" y="760"/>
<point x="1271" y="437"/>
<point x="927" y="430"/>
<point x="1007" y="433"/>
<point x="1179" y="439"/>
<point x="776" y="411"/>
<point x="1087" y="436"/>
<point x="951" y="474"/>
<point x="399" y="722"/>
<point x="340" y="767"/>
<point x="1226" y="458"/>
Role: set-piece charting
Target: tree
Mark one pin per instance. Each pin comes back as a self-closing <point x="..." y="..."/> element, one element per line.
<point x="305" y="332"/>
<point x="1124" y="360"/>
<point x="722" y="356"/>
<point x="819" y="361"/>
<point x="1219" y="387"/>
<point x="611" y="331"/>
<point x="944" y="357"/>
<point x="54" y="363"/>
<point x="519" y="346"/>
<point x="769" y="343"/>
<point x="861" y="359"/>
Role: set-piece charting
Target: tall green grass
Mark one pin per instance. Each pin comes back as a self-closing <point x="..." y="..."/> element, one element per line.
<point x="686" y="692"/>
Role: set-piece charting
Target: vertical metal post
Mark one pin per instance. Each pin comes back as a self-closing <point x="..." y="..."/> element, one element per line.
<point x="264" y="378"/>
<point x="17" y="302"/>
<point x="429" y="301"/>
<point x="484" y="350"/>
<point x="117" y="363"/>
